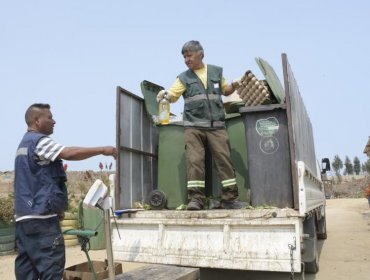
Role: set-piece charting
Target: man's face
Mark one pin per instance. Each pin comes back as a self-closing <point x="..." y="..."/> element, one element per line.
<point x="45" y="122"/>
<point x="193" y="60"/>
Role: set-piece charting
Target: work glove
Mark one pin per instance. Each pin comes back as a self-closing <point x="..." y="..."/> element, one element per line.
<point x="163" y="94"/>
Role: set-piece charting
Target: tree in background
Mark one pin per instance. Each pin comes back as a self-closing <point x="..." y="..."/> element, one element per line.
<point x="356" y="165"/>
<point x="366" y="166"/>
<point x="348" y="166"/>
<point x="337" y="166"/>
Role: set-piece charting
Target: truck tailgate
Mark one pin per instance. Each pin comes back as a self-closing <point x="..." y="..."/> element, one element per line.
<point x="248" y="239"/>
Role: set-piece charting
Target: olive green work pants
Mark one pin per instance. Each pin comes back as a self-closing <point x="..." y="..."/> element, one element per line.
<point x="217" y="140"/>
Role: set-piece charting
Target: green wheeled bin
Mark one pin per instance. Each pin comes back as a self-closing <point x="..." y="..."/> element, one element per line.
<point x="172" y="164"/>
<point x="270" y="177"/>
<point x="172" y="180"/>
<point x="93" y="218"/>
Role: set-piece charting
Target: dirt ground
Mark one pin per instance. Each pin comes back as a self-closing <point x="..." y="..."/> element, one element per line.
<point x="344" y="255"/>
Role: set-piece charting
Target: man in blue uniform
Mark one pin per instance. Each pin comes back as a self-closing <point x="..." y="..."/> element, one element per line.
<point x="41" y="196"/>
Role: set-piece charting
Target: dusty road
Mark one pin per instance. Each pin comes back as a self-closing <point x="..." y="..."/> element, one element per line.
<point x="344" y="255"/>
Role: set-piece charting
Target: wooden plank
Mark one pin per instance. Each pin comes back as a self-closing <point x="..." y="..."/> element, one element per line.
<point x="161" y="272"/>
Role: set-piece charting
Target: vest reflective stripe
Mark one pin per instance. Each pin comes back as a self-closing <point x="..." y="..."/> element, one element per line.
<point x="216" y="124"/>
<point x="228" y="183"/>
<point x="201" y="97"/>
<point x="22" y="152"/>
<point x="196" y="184"/>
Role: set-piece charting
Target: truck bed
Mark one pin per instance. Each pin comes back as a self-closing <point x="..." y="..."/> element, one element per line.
<point x="247" y="239"/>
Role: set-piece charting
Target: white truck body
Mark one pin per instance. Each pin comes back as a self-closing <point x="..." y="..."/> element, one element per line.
<point x="257" y="238"/>
<point x="264" y="239"/>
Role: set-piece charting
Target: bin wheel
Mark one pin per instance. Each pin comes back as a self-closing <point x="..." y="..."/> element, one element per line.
<point x="157" y="200"/>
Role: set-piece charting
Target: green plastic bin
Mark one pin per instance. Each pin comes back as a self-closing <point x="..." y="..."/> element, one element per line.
<point x="93" y="218"/>
<point x="239" y="155"/>
<point x="171" y="155"/>
<point x="172" y="164"/>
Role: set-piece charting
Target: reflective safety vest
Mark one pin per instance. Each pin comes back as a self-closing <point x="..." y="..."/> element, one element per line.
<point x="39" y="189"/>
<point x="203" y="107"/>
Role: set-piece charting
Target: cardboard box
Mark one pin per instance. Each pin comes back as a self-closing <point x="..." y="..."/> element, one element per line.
<point x="82" y="271"/>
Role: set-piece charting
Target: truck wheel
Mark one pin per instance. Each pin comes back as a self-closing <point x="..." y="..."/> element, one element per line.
<point x="321" y="228"/>
<point x="310" y="256"/>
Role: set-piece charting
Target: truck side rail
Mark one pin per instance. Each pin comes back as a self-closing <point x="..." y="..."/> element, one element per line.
<point x="311" y="189"/>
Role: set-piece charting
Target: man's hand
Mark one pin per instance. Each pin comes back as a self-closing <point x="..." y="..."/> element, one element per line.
<point x="110" y="151"/>
<point x="232" y="87"/>
<point x="236" y="84"/>
<point x="161" y="94"/>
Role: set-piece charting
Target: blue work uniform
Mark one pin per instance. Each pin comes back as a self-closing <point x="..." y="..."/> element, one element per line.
<point x="40" y="194"/>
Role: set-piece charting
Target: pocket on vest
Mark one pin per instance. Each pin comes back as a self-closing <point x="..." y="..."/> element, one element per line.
<point x="50" y="199"/>
<point x="58" y="199"/>
<point x="195" y="110"/>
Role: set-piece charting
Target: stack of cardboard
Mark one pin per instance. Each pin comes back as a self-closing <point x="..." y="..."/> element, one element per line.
<point x="253" y="91"/>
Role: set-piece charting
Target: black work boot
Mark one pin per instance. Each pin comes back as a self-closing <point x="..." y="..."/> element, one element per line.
<point x="196" y="199"/>
<point x="194" y="204"/>
<point x="230" y="198"/>
<point x="233" y="204"/>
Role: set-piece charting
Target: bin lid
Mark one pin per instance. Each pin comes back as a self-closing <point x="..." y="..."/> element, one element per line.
<point x="229" y="116"/>
<point x="272" y="79"/>
<point x="150" y="91"/>
<point x="233" y="107"/>
<point x="262" y="108"/>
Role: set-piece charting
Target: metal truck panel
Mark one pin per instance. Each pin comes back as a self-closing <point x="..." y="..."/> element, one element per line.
<point x="257" y="239"/>
<point x="137" y="141"/>
<point x="311" y="189"/>
<point x="302" y="147"/>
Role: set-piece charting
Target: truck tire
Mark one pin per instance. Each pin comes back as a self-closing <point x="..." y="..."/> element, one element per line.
<point x="321" y="228"/>
<point x="310" y="255"/>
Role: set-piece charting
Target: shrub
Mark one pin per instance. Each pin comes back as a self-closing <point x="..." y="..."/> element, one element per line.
<point x="6" y="209"/>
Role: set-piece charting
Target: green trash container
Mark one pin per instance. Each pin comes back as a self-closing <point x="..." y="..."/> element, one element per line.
<point x="236" y="131"/>
<point x="266" y="128"/>
<point x="172" y="164"/>
<point x="93" y="218"/>
<point x="171" y="155"/>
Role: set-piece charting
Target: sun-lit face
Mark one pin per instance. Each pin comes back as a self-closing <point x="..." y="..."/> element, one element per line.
<point x="194" y="59"/>
<point x="45" y="122"/>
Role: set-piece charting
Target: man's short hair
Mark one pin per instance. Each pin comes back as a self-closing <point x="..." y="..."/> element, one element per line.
<point x="34" y="111"/>
<point x="192" y="46"/>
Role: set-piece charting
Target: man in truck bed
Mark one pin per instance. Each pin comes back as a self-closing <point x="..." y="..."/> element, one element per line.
<point x="204" y="120"/>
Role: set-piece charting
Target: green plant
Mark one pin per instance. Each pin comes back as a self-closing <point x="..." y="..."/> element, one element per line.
<point x="7" y="209"/>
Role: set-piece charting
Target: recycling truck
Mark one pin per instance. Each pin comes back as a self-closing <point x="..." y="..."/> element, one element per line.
<point x="277" y="173"/>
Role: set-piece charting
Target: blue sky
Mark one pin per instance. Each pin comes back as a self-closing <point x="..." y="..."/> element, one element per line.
<point x="73" y="55"/>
